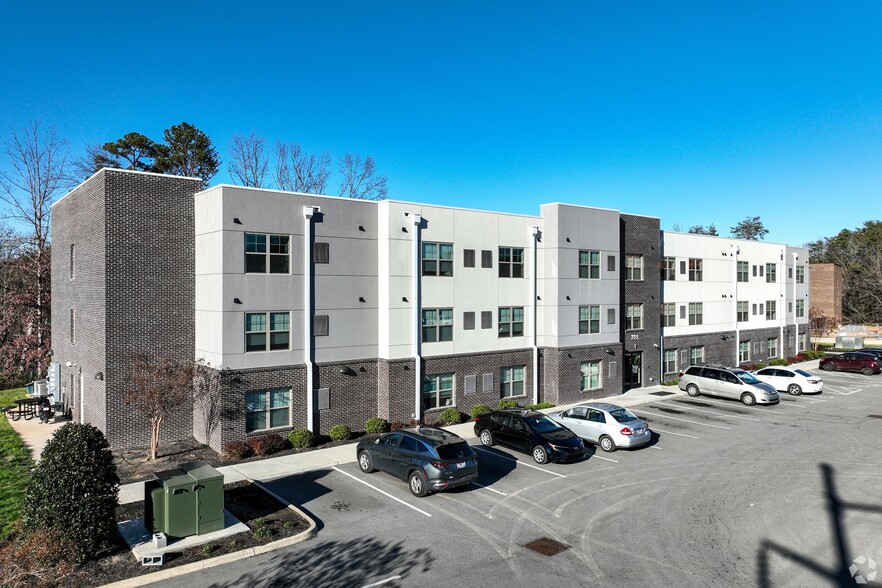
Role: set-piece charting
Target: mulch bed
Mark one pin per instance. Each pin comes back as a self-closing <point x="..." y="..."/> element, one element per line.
<point x="267" y="519"/>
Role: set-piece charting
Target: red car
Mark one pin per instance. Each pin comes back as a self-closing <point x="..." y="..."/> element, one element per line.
<point x="852" y="361"/>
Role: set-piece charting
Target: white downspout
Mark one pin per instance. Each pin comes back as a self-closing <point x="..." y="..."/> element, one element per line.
<point x="82" y="399"/>
<point x="795" y="323"/>
<point x="308" y="212"/>
<point x="782" y="313"/>
<point x="417" y="319"/>
<point x="737" y="329"/>
<point x="534" y="338"/>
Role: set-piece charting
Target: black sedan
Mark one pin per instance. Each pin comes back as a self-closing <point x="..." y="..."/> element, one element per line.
<point x="531" y="432"/>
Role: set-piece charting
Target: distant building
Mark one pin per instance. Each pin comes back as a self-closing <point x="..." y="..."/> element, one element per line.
<point x="827" y="290"/>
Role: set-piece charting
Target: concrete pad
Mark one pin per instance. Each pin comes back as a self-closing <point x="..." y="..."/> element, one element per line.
<point x="141" y="540"/>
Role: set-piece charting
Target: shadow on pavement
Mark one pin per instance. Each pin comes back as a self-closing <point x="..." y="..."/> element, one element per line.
<point x="301" y="489"/>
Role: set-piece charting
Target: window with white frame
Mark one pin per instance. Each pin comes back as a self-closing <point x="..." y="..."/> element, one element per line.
<point x="696" y="313"/>
<point x="589" y="264"/>
<point x="437" y="325"/>
<point x="695" y="269"/>
<point x="800" y="274"/>
<point x="511" y="321"/>
<point x="742" y="311"/>
<point x="742" y="271"/>
<point x="511" y="262"/>
<point x="771" y="310"/>
<point x="267" y="409"/>
<point x="670" y="361"/>
<point x="437" y="259"/>
<point x="744" y="351"/>
<point x="696" y="355"/>
<point x="800" y="308"/>
<point x="771" y="273"/>
<point x="437" y="391"/>
<point x="633" y="317"/>
<point x="668" y="269"/>
<point x="589" y="319"/>
<point x="802" y="338"/>
<point x="267" y="331"/>
<point x="634" y="268"/>
<point x="773" y="347"/>
<point x="511" y="381"/>
<point x="267" y="252"/>
<point x="669" y="314"/>
<point x="591" y="375"/>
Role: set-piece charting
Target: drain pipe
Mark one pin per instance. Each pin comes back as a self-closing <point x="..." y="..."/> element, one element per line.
<point x="417" y="319"/>
<point x="782" y="312"/>
<point x="534" y="339"/>
<point x="737" y="250"/>
<point x="795" y="323"/>
<point x="308" y="213"/>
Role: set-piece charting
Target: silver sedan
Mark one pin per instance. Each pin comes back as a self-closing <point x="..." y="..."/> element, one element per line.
<point x="607" y="425"/>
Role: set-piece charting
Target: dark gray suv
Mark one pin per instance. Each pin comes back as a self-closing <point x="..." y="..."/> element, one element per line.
<point x="429" y="458"/>
<point x="727" y="383"/>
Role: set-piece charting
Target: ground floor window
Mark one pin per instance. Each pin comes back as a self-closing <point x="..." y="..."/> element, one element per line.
<point x="267" y="409"/>
<point x="801" y="339"/>
<point x="591" y="375"/>
<point x="744" y="351"/>
<point x="437" y="391"/>
<point x="773" y="347"/>
<point x="696" y="355"/>
<point x="511" y="381"/>
<point x="670" y="361"/>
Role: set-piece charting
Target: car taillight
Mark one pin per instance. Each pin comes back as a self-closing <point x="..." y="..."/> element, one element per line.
<point x="438" y="464"/>
<point x="680" y="375"/>
<point x="477" y="418"/>
<point x="625" y="431"/>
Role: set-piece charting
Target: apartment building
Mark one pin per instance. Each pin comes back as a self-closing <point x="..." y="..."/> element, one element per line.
<point x="312" y="310"/>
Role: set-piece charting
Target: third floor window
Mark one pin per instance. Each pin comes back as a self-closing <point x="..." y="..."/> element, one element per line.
<point x="668" y="269"/>
<point x="437" y="259"/>
<point x="267" y="253"/>
<point x="634" y="268"/>
<point x="743" y="271"/>
<point x="695" y="270"/>
<point x="589" y="264"/>
<point x="511" y="262"/>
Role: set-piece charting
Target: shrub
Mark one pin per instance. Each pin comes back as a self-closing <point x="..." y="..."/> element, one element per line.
<point x="375" y="426"/>
<point x="237" y="450"/>
<point x="267" y="444"/>
<point x="779" y="361"/>
<point x="340" y="432"/>
<point x="73" y="490"/>
<point x="670" y="382"/>
<point x="263" y="532"/>
<point x="759" y="365"/>
<point x="301" y="438"/>
<point x="539" y="406"/>
<point x="450" y="416"/>
<point x="507" y="404"/>
<point x="395" y="425"/>
<point x="479" y="409"/>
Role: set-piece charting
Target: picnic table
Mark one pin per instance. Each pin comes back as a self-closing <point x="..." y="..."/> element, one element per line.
<point x="26" y="407"/>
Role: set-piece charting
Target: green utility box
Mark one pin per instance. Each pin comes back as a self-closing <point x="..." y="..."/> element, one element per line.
<point x="185" y="501"/>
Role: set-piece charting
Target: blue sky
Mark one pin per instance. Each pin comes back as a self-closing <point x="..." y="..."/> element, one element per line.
<point x="694" y="112"/>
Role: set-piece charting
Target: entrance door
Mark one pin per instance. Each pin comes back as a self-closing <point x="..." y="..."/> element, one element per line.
<point x="633" y="370"/>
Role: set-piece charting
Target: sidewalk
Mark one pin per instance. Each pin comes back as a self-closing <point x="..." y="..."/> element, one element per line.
<point x="278" y="467"/>
<point x="34" y="433"/>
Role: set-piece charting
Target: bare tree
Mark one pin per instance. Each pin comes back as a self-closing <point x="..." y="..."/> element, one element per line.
<point x="298" y="172"/>
<point x="359" y="178"/>
<point x="157" y="387"/>
<point x="247" y="160"/>
<point x="83" y="167"/>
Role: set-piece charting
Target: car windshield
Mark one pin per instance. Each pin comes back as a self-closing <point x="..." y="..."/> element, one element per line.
<point x="455" y="451"/>
<point x="542" y="424"/>
<point x="802" y="373"/>
<point x="623" y="415"/>
<point x="746" y="377"/>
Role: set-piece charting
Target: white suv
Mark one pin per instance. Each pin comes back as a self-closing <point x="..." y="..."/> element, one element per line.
<point x="726" y="383"/>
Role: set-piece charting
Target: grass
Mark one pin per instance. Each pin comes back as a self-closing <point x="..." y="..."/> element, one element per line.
<point x="15" y="466"/>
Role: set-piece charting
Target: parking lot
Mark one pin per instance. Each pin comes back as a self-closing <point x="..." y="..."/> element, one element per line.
<point x="784" y="495"/>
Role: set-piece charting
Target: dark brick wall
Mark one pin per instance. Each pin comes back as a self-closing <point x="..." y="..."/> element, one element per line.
<point x="716" y="350"/>
<point x="395" y="393"/>
<point x="353" y="398"/>
<point x="641" y="235"/>
<point x="564" y="373"/>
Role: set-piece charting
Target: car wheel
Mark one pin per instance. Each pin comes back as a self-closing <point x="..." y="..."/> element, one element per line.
<point x="486" y="438"/>
<point x="794" y="389"/>
<point x="692" y="390"/>
<point x="365" y="463"/>
<point x="748" y="399"/>
<point x="827" y="367"/>
<point x="417" y="483"/>
<point x="607" y="444"/>
<point x="867" y="371"/>
<point x="539" y="454"/>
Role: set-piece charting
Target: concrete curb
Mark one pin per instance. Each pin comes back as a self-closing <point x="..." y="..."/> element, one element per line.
<point x="158" y="576"/>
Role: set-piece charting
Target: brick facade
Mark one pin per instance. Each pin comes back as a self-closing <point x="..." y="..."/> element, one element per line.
<point x="641" y="235"/>
<point x="825" y="282"/>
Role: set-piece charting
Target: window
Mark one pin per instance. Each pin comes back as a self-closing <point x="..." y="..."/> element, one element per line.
<point x="757" y="347"/>
<point x="511" y="262"/>
<point x="511" y="381"/>
<point x="771" y="310"/>
<point x="511" y="321"/>
<point x="742" y="312"/>
<point x="437" y="325"/>
<point x="589" y="319"/>
<point x="72" y="252"/>
<point x="754" y="309"/>
<point x="589" y="264"/>
<point x="695" y="270"/>
<point x="771" y="273"/>
<point x="800" y="308"/>
<point x="320" y="325"/>
<point x="773" y="347"/>
<point x="744" y="351"/>
<point x="634" y="268"/>
<point x="670" y="361"/>
<point x="801" y="340"/>
<point x="468" y="321"/>
<point x="468" y="258"/>
<point x="486" y="319"/>
<point x="258" y="258"/>
<point x="742" y="271"/>
<point x="321" y="253"/>
<point x="761" y="309"/>
<point x="258" y="336"/>
<point x="437" y="391"/>
<point x="72" y="332"/>
<point x="437" y="259"/>
<point x="267" y="409"/>
<point x="696" y="355"/>
<point x="669" y="314"/>
<point x="633" y="317"/>
<point x="611" y="316"/>
<point x="610" y="263"/>
<point x="591" y="375"/>
<point x="668" y="269"/>
<point x="486" y="258"/>
<point x="800" y="274"/>
<point x="696" y="311"/>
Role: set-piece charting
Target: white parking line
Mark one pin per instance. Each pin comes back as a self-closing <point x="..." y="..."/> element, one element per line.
<point x="595" y="456"/>
<point x="519" y="462"/>
<point x="732" y="404"/>
<point x="381" y="491"/>
<point x="688" y="421"/>
<point x="488" y="488"/>
<point x="673" y="433"/>
<point x="790" y="404"/>
<point x="685" y="406"/>
<point x="654" y="447"/>
<point x="381" y="582"/>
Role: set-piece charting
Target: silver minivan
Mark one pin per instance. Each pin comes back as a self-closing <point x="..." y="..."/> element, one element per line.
<point x="727" y="383"/>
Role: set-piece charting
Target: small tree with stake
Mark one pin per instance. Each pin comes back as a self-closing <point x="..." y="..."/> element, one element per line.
<point x="157" y="387"/>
